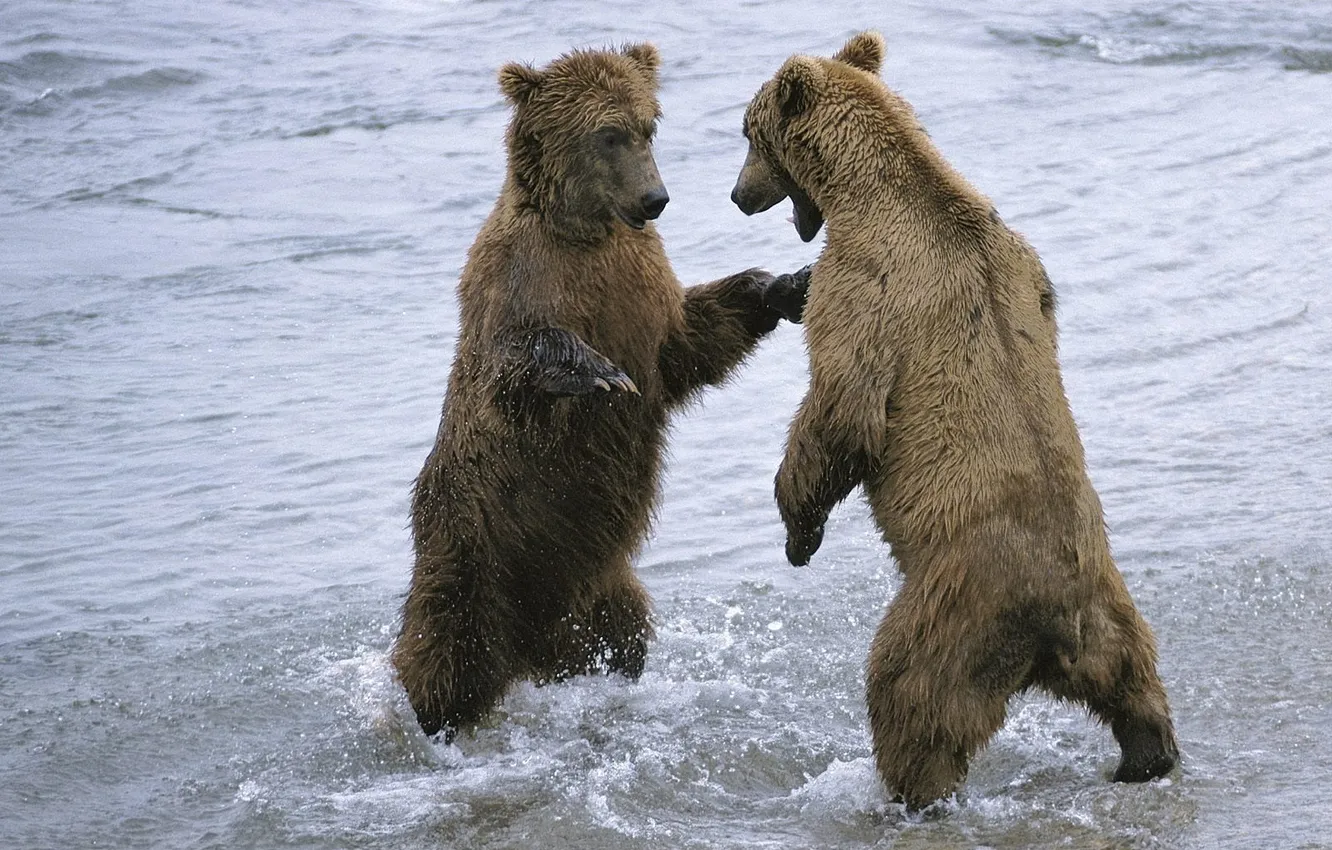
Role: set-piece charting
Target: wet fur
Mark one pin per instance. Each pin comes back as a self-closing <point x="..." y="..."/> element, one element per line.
<point x="935" y="386"/>
<point x="576" y="342"/>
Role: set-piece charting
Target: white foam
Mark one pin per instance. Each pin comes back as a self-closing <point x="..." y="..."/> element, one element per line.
<point x="845" y="786"/>
<point x="385" y="806"/>
<point x="1125" y="51"/>
<point x="619" y="776"/>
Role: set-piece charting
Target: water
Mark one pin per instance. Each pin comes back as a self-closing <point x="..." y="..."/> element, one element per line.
<point x="229" y="238"/>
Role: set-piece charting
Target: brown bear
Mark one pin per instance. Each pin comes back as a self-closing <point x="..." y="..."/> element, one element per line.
<point x="576" y="342"/>
<point x="935" y="386"/>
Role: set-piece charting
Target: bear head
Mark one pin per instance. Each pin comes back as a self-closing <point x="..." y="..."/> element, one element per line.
<point x="580" y="141"/>
<point x="802" y="124"/>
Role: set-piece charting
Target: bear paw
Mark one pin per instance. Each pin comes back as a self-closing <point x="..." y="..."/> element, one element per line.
<point x="786" y="294"/>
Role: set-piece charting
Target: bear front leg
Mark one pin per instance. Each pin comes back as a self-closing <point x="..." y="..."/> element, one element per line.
<point x="817" y="472"/>
<point x="556" y="362"/>
<point x="723" y="321"/>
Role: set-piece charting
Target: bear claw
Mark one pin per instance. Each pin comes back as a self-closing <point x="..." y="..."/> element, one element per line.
<point x="618" y="383"/>
<point x="627" y="385"/>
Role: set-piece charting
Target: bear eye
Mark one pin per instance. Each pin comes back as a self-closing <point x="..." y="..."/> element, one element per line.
<point x="610" y="137"/>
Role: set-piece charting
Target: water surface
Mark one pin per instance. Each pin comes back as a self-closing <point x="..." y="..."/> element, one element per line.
<point x="230" y="235"/>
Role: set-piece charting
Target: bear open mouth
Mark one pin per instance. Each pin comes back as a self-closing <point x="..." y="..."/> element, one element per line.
<point x="808" y="218"/>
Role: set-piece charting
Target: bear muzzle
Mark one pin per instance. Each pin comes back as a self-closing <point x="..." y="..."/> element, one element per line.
<point x="648" y="208"/>
<point x="654" y="202"/>
<point x="751" y="202"/>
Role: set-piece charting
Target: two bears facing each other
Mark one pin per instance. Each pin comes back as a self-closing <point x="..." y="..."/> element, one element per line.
<point x="576" y="342"/>
<point x="935" y="386"/>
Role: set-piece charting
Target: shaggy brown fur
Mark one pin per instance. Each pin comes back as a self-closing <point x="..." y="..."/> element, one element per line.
<point x="576" y="342"/>
<point x="935" y="385"/>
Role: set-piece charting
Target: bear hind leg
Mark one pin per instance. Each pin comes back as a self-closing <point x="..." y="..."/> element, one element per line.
<point x="610" y="633"/>
<point x="935" y="702"/>
<point x="452" y="656"/>
<point x="458" y="687"/>
<point x="622" y="626"/>
<point x="1115" y="676"/>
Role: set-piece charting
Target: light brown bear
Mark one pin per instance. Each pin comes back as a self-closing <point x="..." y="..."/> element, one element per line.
<point x="576" y="342"/>
<point x="935" y="385"/>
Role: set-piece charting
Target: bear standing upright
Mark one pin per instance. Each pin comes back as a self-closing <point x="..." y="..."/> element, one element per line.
<point x="576" y="341"/>
<point x="935" y="385"/>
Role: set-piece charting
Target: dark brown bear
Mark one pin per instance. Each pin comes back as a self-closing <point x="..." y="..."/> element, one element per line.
<point x="577" y="340"/>
<point x="935" y="386"/>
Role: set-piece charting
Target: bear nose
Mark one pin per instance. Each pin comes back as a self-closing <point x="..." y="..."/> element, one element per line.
<point x="737" y="200"/>
<point x="654" y="202"/>
<point x="745" y="204"/>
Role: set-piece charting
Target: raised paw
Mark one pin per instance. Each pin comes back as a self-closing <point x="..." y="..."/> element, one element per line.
<point x="756" y="277"/>
<point x="786" y="294"/>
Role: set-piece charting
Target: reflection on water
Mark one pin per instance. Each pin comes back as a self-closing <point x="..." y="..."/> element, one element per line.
<point x="231" y="235"/>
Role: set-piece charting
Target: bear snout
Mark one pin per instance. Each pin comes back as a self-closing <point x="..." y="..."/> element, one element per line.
<point x="746" y="205"/>
<point x="751" y="201"/>
<point x="735" y="199"/>
<point x="654" y="202"/>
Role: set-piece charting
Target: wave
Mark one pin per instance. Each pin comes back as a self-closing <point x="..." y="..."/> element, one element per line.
<point x="47" y="329"/>
<point x="372" y="120"/>
<point x="1185" y="34"/>
<point x="1122" y="49"/>
<point x="1316" y="60"/>
<point x="36" y="82"/>
<point x="1175" y="350"/>
<point x="148" y="82"/>
<point x="54" y="66"/>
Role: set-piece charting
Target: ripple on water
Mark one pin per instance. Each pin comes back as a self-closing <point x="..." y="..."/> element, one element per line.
<point x="231" y="237"/>
<point x="1230" y="34"/>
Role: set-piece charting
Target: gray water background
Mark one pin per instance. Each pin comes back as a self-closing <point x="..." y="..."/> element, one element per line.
<point x="230" y="233"/>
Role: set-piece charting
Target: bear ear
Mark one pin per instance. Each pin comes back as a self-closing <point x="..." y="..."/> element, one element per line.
<point x="863" y="51"/>
<point x="797" y="82"/>
<point x="645" y="55"/>
<point x="519" y="82"/>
